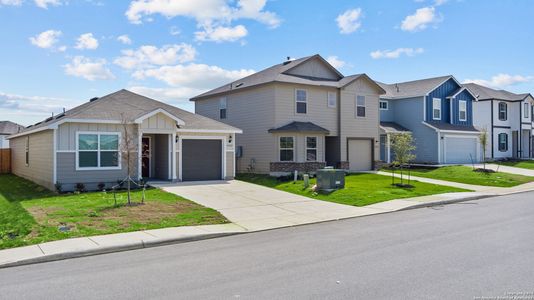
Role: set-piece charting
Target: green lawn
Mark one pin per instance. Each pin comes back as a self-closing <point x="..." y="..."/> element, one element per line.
<point x="360" y="189"/>
<point x="525" y="164"/>
<point x="463" y="174"/>
<point x="31" y="214"/>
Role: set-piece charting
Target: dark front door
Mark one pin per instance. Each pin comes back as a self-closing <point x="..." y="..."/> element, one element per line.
<point x="201" y="160"/>
<point x="145" y="158"/>
<point x="515" y="144"/>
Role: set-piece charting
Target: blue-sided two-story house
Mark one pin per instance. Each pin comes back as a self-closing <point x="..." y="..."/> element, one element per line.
<point x="439" y="114"/>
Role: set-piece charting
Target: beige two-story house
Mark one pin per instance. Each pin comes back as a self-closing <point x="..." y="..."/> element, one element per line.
<point x="299" y="115"/>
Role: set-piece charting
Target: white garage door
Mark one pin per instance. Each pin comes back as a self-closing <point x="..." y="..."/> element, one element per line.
<point x="460" y="150"/>
<point x="360" y="155"/>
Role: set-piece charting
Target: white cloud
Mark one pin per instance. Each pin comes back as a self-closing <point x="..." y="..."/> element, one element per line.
<point x="502" y="80"/>
<point x="11" y="2"/>
<point x="396" y="53"/>
<point x="440" y="2"/>
<point x="87" y="41"/>
<point x="213" y="17"/>
<point x="148" y="56"/>
<point x="196" y="76"/>
<point x="44" y="3"/>
<point x="174" y="30"/>
<point x="125" y="39"/>
<point x="46" y="39"/>
<point x="221" y="34"/>
<point x="335" y="62"/>
<point x="30" y="109"/>
<point x="420" y="19"/>
<point x="90" y="69"/>
<point x="349" y="21"/>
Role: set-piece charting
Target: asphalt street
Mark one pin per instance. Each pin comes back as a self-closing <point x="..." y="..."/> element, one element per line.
<point x="481" y="248"/>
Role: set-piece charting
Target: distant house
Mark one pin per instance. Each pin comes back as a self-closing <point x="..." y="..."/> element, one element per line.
<point x="507" y="117"/>
<point x="7" y="128"/>
<point x="438" y="112"/>
<point x="299" y="115"/>
<point x="84" y="144"/>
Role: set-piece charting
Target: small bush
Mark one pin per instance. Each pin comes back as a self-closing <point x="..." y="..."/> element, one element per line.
<point x="59" y="187"/>
<point x="80" y="187"/>
<point x="101" y="186"/>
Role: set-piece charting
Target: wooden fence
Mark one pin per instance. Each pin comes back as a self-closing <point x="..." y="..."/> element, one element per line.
<point x="5" y="161"/>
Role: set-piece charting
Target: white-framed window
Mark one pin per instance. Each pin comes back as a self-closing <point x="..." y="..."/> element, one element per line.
<point x="360" y="106"/>
<point x="287" y="148"/>
<point x="436" y="109"/>
<point x="97" y="151"/>
<point x="462" y="107"/>
<point x="503" y="111"/>
<point x="311" y="148"/>
<point x="525" y="110"/>
<point x="383" y="105"/>
<point x="27" y="156"/>
<point x="301" y="99"/>
<point x="331" y="99"/>
<point x="503" y="142"/>
<point x="222" y="108"/>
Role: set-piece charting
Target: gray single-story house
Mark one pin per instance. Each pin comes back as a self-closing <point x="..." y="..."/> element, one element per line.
<point x="90" y="144"/>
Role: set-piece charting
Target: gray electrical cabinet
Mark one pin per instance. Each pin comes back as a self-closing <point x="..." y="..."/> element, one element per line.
<point x="330" y="179"/>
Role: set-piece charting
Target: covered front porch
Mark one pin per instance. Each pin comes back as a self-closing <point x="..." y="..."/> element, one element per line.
<point x="387" y="129"/>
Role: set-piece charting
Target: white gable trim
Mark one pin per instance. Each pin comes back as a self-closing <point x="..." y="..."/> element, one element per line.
<point x="157" y="111"/>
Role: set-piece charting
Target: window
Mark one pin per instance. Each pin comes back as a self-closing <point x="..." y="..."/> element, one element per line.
<point x="331" y="99"/>
<point x="311" y="148"/>
<point x="503" y="111"/>
<point x="463" y="110"/>
<point x="384" y="105"/>
<point x="222" y="108"/>
<point x="301" y="97"/>
<point x="503" y="142"/>
<point x="27" y="150"/>
<point x="360" y="106"/>
<point x="98" y="150"/>
<point x="525" y="110"/>
<point x="436" y="109"/>
<point x="286" y="148"/>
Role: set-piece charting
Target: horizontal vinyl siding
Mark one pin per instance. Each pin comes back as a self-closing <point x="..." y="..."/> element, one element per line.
<point x="317" y="108"/>
<point x="409" y="114"/>
<point x="66" y="138"/>
<point x="351" y="126"/>
<point x="68" y="176"/>
<point x="253" y="112"/>
<point x="314" y="68"/>
<point x="40" y="168"/>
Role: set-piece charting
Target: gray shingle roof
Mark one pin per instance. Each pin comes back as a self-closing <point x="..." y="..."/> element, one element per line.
<point x="300" y="127"/>
<point x="414" y="88"/>
<point x="8" y="127"/>
<point x="448" y="126"/>
<point x="276" y="74"/>
<point x="392" y="127"/>
<point x="485" y="93"/>
<point x="123" y="103"/>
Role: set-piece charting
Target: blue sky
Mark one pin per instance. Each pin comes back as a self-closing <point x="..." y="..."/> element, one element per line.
<point x="60" y="53"/>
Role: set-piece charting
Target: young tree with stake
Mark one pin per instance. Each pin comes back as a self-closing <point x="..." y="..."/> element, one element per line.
<point x="402" y="145"/>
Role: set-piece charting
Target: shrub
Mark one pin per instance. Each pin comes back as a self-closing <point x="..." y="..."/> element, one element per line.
<point x="101" y="186"/>
<point x="80" y="187"/>
<point x="59" y="187"/>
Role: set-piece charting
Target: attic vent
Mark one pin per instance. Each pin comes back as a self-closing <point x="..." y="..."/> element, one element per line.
<point x="49" y="119"/>
<point x="239" y="85"/>
<point x="288" y="60"/>
<point x="397" y="87"/>
<point x="60" y="115"/>
<point x="93" y="99"/>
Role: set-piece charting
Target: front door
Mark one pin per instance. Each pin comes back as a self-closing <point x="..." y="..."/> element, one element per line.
<point x="515" y="144"/>
<point x="145" y="158"/>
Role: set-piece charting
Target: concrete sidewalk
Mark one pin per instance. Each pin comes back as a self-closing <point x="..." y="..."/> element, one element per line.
<point x="277" y="209"/>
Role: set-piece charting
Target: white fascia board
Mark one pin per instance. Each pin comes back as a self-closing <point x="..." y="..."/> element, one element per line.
<point x="450" y="131"/>
<point x="209" y="131"/>
<point x="157" y="111"/>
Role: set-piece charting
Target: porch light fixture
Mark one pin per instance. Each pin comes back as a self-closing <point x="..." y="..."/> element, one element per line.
<point x="230" y="139"/>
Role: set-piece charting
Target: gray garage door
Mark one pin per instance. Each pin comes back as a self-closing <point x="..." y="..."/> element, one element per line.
<point x="460" y="150"/>
<point x="201" y="160"/>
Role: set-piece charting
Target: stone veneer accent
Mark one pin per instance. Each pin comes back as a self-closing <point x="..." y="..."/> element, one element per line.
<point x="344" y="165"/>
<point x="290" y="167"/>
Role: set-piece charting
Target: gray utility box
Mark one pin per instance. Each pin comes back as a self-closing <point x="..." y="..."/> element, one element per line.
<point x="330" y="179"/>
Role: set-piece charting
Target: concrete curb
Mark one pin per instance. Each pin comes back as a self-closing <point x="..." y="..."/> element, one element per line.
<point x="113" y="249"/>
<point x="449" y="201"/>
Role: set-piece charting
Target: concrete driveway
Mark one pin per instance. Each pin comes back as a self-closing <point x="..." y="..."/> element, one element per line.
<point x="256" y="207"/>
